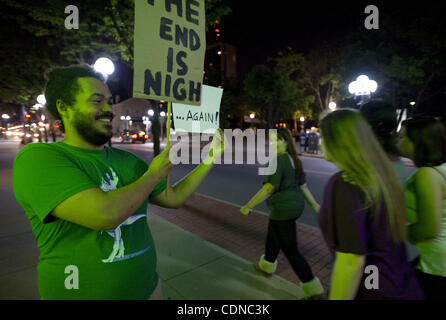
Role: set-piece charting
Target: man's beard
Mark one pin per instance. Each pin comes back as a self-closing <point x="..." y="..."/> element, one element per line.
<point x="90" y="134"/>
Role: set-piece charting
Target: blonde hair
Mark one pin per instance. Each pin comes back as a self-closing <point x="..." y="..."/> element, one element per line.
<point x="349" y="141"/>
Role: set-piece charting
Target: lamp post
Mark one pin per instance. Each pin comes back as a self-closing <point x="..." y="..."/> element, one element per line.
<point x="162" y="116"/>
<point x="128" y="119"/>
<point x="362" y="87"/>
<point x="5" y="118"/>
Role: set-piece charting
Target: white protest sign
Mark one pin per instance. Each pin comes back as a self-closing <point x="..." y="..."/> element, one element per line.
<point x="169" y="50"/>
<point x="199" y="119"/>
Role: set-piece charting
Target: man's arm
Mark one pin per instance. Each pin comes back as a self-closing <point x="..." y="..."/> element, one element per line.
<point x="98" y="210"/>
<point x="182" y="190"/>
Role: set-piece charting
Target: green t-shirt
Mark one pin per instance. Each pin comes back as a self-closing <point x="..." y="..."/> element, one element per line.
<point x="287" y="201"/>
<point x="115" y="264"/>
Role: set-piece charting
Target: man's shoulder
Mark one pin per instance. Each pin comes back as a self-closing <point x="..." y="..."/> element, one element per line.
<point x="37" y="148"/>
<point x="124" y="155"/>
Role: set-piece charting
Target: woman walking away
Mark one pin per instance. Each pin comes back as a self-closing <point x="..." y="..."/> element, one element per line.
<point x="287" y="188"/>
<point x="382" y="118"/>
<point x="363" y="216"/>
<point x="424" y="141"/>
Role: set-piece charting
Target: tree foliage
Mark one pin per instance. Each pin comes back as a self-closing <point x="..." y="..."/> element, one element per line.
<point x="276" y="89"/>
<point x="36" y="39"/>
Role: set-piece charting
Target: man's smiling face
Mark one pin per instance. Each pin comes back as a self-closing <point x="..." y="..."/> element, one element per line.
<point x="91" y="114"/>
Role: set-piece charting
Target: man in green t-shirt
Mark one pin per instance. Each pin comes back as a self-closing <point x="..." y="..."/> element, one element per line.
<point x="87" y="202"/>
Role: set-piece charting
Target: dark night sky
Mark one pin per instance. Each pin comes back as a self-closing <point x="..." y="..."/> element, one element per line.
<point x="263" y="28"/>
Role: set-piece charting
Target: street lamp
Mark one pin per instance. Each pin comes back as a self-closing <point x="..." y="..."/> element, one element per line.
<point x="363" y="86"/>
<point x="41" y="99"/>
<point x="332" y="106"/>
<point x="127" y="119"/>
<point x="104" y="66"/>
<point x="147" y="122"/>
<point x="150" y="112"/>
<point x="252" y="115"/>
<point x="162" y="115"/>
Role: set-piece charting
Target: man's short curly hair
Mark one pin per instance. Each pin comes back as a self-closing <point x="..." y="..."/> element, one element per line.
<point x="61" y="83"/>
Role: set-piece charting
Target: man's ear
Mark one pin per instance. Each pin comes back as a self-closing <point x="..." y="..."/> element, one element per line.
<point x="61" y="107"/>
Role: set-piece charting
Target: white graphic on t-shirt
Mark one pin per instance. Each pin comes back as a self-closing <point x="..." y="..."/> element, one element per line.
<point x="109" y="184"/>
<point x="117" y="254"/>
<point x="118" y="246"/>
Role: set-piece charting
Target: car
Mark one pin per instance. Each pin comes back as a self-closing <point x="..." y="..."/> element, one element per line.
<point x="134" y="136"/>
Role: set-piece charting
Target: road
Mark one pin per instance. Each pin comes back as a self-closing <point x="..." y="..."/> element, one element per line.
<point x="234" y="183"/>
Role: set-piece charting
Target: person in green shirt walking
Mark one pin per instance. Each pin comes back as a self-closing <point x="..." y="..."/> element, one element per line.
<point x="285" y="192"/>
<point x="87" y="203"/>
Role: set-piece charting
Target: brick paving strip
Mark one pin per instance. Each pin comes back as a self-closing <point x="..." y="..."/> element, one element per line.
<point x="223" y="224"/>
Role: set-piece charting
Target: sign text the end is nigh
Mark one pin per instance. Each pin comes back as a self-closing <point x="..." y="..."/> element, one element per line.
<point x="170" y="45"/>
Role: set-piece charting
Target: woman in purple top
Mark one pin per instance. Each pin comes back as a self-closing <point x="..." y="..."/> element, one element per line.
<point x="363" y="216"/>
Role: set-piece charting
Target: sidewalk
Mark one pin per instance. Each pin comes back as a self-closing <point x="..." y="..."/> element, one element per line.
<point x="230" y="244"/>
<point x="205" y="252"/>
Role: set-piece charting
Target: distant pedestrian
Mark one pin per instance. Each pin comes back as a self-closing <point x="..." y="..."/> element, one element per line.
<point x="285" y="192"/>
<point x="382" y="118"/>
<point x="313" y="142"/>
<point x="53" y="134"/>
<point x="363" y="217"/>
<point x="307" y="140"/>
<point x="424" y="141"/>
<point x="302" y="139"/>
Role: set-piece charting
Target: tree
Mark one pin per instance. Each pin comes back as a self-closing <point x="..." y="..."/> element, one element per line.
<point x="405" y="56"/>
<point x="234" y="104"/>
<point x="276" y="89"/>
<point x="315" y="72"/>
<point x="105" y="28"/>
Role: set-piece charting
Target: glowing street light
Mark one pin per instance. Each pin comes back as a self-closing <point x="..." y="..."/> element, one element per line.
<point x="104" y="66"/>
<point x="6" y="116"/>
<point x="150" y="112"/>
<point x="162" y="114"/>
<point x="332" y="105"/>
<point x="363" y="86"/>
<point x="412" y="103"/>
<point x="302" y="119"/>
<point x="41" y="99"/>
<point x="252" y="115"/>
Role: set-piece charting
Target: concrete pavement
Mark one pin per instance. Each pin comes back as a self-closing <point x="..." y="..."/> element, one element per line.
<point x="205" y="252"/>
